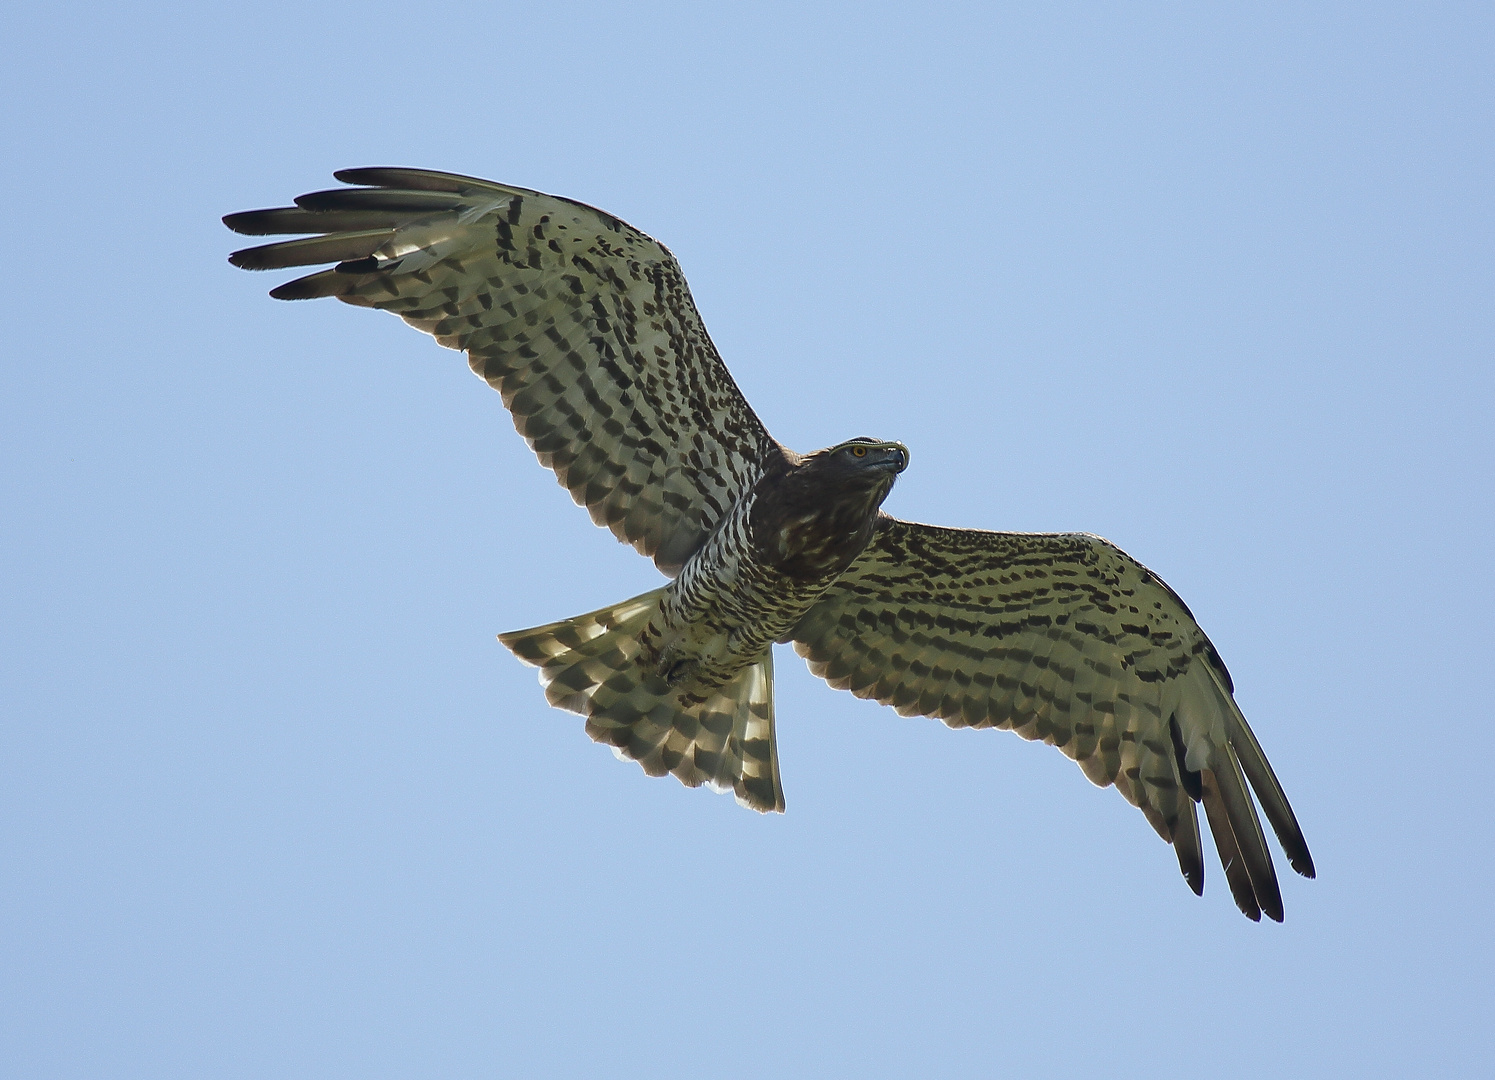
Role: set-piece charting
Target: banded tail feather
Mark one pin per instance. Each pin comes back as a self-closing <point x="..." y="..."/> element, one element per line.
<point x="590" y="665"/>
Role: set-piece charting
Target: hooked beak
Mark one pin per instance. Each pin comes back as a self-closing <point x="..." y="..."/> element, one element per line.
<point x="893" y="457"/>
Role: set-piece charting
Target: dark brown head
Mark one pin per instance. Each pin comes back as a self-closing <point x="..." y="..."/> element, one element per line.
<point x="814" y="517"/>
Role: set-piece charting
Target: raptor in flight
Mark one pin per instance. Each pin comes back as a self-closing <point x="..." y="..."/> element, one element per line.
<point x="586" y="327"/>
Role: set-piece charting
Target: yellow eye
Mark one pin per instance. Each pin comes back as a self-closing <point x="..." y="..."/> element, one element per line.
<point x="859" y="451"/>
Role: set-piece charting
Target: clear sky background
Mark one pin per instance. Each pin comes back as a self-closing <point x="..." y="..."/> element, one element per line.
<point x="1213" y="280"/>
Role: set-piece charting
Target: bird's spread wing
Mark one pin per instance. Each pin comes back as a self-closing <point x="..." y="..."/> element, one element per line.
<point x="581" y="322"/>
<point x="1065" y="638"/>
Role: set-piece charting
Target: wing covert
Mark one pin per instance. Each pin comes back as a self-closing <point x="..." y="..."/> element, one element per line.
<point x="584" y="324"/>
<point x="1062" y="637"/>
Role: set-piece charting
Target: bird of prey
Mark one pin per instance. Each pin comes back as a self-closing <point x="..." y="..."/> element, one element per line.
<point x="586" y="327"/>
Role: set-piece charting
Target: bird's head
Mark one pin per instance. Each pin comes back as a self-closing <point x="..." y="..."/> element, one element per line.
<point x="815" y="517"/>
<point x="853" y="476"/>
<point x="860" y="458"/>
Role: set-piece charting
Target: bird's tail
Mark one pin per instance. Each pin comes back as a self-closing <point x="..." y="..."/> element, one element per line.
<point x="590" y="665"/>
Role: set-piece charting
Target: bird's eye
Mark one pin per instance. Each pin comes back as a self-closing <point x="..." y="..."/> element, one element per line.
<point x="859" y="451"/>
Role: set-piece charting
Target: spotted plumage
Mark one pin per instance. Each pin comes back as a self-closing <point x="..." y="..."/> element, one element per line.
<point x="587" y="329"/>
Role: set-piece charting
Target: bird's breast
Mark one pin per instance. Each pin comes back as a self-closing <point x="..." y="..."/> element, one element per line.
<point x="735" y="597"/>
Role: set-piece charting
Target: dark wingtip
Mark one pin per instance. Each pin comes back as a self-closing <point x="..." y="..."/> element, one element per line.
<point x="413" y="179"/>
<point x="358" y="176"/>
<point x="1303" y="864"/>
<point x="289" y="292"/>
<point x="313" y="286"/>
<point x="279" y="220"/>
<point x="1196" y="881"/>
<point x="1272" y="907"/>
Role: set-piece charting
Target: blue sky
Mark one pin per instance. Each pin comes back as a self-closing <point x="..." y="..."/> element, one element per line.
<point x="1213" y="281"/>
